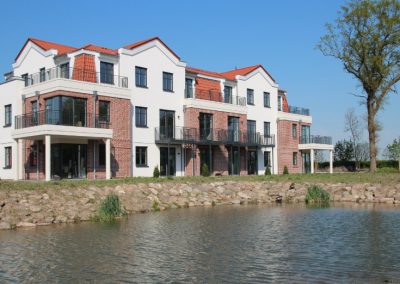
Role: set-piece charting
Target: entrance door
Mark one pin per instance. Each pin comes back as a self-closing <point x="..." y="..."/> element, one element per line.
<point x="206" y="158"/>
<point x="167" y="122"/>
<point x="252" y="162"/>
<point x="234" y="160"/>
<point x="306" y="162"/>
<point x="167" y="161"/>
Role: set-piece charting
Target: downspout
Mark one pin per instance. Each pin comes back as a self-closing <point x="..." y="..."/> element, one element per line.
<point x="37" y="144"/>
<point x="94" y="141"/>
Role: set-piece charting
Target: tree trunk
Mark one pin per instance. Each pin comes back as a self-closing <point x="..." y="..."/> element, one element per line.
<point x="371" y="135"/>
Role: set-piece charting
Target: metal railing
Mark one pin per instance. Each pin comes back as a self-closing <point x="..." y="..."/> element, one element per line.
<point x="76" y="74"/>
<point x="216" y="96"/>
<point x="299" y="110"/>
<point x="211" y="136"/>
<point x="316" y="139"/>
<point x="60" y="118"/>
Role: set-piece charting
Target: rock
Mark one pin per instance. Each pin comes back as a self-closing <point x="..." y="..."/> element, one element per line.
<point x="243" y="195"/>
<point x="25" y="224"/>
<point x="292" y="186"/>
<point x="236" y="201"/>
<point x="35" y="208"/>
<point x="45" y="196"/>
<point x="207" y="203"/>
<point x="61" y="219"/>
<point x="5" y="226"/>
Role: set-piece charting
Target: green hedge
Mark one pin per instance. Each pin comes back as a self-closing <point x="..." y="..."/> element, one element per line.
<point x="351" y="165"/>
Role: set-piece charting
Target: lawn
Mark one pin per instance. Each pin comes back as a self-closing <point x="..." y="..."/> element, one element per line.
<point x="379" y="178"/>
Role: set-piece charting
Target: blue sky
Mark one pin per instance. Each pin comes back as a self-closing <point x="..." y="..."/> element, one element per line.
<point x="213" y="35"/>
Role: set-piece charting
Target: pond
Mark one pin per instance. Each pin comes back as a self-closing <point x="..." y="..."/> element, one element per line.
<point x="224" y="244"/>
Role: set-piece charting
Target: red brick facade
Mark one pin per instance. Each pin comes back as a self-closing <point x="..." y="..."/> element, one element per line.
<point x="120" y="142"/>
<point x="84" y="68"/>
<point x="208" y="90"/>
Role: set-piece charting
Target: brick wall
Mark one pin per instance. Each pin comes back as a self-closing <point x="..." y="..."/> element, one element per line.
<point x="208" y="89"/>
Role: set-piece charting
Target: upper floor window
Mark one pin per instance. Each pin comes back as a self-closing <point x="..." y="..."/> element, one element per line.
<point x="294" y="130"/>
<point x="188" y="88"/>
<point x="279" y="103"/>
<point x="267" y="128"/>
<point x="106" y="72"/>
<point x="42" y="74"/>
<point x="7" y="115"/>
<point x="168" y="81"/>
<point x="25" y="78"/>
<point x="104" y="111"/>
<point x="64" y="70"/>
<point x="141" y="77"/>
<point x="141" y="116"/>
<point x="228" y="94"/>
<point x="267" y="102"/>
<point x="7" y="157"/>
<point x="250" y="96"/>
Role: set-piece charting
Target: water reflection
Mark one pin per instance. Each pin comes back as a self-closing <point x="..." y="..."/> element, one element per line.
<point x="232" y="244"/>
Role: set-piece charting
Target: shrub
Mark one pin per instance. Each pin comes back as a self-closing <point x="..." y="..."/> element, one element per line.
<point x="156" y="172"/>
<point x="387" y="170"/>
<point x="156" y="206"/>
<point x="204" y="170"/>
<point x="110" y="208"/>
<point x="285" y="170"/>
<point x="316" y="195"/>
<point x="267" y="171"/>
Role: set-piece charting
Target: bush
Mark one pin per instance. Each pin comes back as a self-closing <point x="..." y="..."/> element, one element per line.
<point x="316" y="195"/>
<point x="204" y="170"/>
<point x="267" y="171"/>
<point x="387" y="170"/>
<point x="110" y="208"/>
<point x="285" y="170"/>
<point x="156" y="172"/>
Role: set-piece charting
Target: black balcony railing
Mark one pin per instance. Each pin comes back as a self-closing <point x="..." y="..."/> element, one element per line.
<point x="316" y="139"/>
<point x="64" y="118"/>
<point x="183" y="135"/>
<point x="216" y="96"/>
<point x="76" y="74"/>
<point x="299" y="110"/>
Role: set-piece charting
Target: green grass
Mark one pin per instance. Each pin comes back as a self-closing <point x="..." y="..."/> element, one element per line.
<point x="378" y="178"/>
<point x="316" y="195"/>
<point x="110" y="208"/>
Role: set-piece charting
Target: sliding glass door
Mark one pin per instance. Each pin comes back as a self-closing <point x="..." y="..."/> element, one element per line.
<point x="233" y="128"/>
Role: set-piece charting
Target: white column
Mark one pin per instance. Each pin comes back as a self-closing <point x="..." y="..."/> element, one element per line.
<point x="331" y="161"/>
<point x="48" y="157"/>
<point x="312" y="160"/>
<point x="20" y="159"/>
<point x="108" y="158"/>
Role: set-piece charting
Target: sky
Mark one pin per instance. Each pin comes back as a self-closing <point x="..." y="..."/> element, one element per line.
<point x="213" y="35"/>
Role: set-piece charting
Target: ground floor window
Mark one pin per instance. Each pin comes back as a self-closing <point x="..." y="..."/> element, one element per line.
<point x="141" y="156"/>
<point x="102" y="155"/>
<point x="33" y="155"/>
<point x="8" y="157"/>
<point x="267" y="159"/>
<point x="294" y="158"/>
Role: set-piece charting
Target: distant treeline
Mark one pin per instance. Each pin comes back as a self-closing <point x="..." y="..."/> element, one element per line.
<point x="351" y="165"/>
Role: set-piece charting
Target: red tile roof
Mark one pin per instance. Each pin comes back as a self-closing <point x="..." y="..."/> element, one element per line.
<point x="99" y="49"/>
<point x="204" y="72"/>
<point x="139" y="43"/>
<point x="46" y="45"/>
<point x="231" y="75"/>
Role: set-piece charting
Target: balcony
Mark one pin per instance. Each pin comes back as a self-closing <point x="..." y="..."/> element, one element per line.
<point x="316" y="139"/>
<point x="215" y="96"/>
<point x="77" y="75"/>
<point x="185" y="135"/>
<point x="299" y="110"/>
<point x="60" y="118"/>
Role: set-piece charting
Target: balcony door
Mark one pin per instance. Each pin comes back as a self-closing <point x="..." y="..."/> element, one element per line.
<point x="206" y="124"/>
<point x="167" y="123"/>
<point x="251" y="131"/>
<point x="305" y="134"/>
<point x="233" y="128"/>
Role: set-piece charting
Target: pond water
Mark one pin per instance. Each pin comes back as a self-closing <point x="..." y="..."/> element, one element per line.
<point x="226" y="244"/>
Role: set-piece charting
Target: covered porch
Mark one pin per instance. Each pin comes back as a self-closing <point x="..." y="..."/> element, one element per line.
<point x="58" y="151"/>
<point x="308" y="155"/>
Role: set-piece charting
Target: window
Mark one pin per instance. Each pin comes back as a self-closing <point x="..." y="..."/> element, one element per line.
<point x="168" y="84"/>
<point x="106" y="73"/>
<point x="141" y="116"/>
<point x="102" y="154"/>
<point x="294" y="158"/>
<point x="267" y="102"/>
<point x="267" y="129"/>
<point x="141" y="156"/>
<point x="279" y="103"/>
<point x="33" y="156"/>
<point x="206" y="125"/>
<point x="251" y="130"/>
<point x="250" y="96"/>
<point x="34" y="112"/>
<point x="294" y="130"/>
<point x="8" y="158"/>
<point x="42" y="74"/>
<point x="141" y="77"/>
<point x="8" y="115"/>
<point x="188" y="88"/>
<point x="63" y="110"/>
<point x="25" y="78"/>
<point x="228" y="94"/>
<point x="104" y="111"/>
<point x="267" y="159"/>
<point x="64" y="70"/>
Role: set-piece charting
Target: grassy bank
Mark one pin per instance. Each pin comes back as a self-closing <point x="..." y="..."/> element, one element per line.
<point x="378" y="178"/>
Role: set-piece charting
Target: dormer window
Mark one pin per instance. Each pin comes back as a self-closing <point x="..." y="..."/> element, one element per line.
<point x="228" y="94"/>
<point x="188" y="88"/>
<point x="279" y="103"/>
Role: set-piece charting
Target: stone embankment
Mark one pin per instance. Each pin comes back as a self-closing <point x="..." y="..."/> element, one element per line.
<point x="30" y="208"/>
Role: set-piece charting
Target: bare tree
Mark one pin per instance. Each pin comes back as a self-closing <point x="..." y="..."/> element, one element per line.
<point x="354" y="126"/>
<point x="366" y="38"/>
